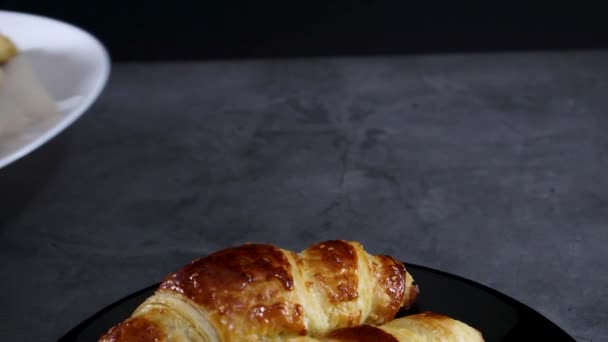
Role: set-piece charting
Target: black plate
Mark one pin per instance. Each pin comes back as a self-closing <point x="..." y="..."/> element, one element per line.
<point x="497" y="316"/>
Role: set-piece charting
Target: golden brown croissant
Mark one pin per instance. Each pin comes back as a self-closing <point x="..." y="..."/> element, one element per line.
<point x="260" y="292"/>
<point x="422" y="327"/>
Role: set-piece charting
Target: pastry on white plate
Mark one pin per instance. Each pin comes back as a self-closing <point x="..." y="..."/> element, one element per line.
<point x="23" y="98"/>
<point x="8" y="49"/>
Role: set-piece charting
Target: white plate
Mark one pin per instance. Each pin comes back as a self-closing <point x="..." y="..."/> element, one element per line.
<point x="69" y="63"/>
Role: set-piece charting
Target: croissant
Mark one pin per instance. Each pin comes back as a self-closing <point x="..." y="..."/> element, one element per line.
<point x="421" y="327"/>
<point x="259" y="292"/>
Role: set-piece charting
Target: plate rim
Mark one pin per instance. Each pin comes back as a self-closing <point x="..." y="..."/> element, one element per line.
<point x="73" y="333"/>
<point x="73" y="115"/>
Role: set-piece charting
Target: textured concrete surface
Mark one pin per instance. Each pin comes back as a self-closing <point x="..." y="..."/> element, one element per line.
<point x="492" y="167"/>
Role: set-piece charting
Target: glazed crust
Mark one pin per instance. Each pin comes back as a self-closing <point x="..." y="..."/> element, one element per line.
<point x="258" y="292"/>
<point x="422" y="327"/>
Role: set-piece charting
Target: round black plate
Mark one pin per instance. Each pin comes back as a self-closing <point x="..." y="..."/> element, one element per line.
<point x="497" y="316"/>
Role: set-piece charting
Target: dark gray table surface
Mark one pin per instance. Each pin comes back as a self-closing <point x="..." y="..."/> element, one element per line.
<point x="489" y="166"/>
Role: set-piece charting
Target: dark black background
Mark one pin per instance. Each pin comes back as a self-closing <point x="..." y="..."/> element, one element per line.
<point x="135" y="30"/>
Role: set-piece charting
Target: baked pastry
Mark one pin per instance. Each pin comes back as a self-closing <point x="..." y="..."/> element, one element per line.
<point x="421" y="327"/>
<point x="259" y="292"/>
<point x="8" y="50"/>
